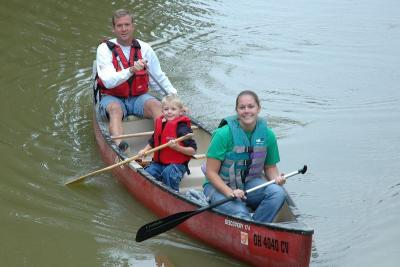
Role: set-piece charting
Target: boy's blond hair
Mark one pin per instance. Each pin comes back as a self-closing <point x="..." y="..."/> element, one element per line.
<point x="172" y="99"/>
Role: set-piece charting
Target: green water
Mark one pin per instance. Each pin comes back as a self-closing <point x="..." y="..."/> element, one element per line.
<point x="328" y="78"/>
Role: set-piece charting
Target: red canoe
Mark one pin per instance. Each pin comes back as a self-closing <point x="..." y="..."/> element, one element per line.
<point x="286" y="242"/>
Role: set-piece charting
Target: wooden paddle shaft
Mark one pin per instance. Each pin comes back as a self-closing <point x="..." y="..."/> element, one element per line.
<point x="79" y="179"/>
<point x="139" y="134"/>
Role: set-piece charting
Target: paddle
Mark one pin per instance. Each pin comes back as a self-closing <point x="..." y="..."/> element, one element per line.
<point x="132" y="135"/>
<point x="80" y="179"/>
<point x="158" y="83"/>
<point x="195" y="156"/>
<point x="141" y="134"/>
<point x="162" y="225"/>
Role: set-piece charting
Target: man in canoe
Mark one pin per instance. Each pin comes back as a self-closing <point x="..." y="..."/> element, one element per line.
<point x="242" y="151"/>
<point x="123" y="67"/>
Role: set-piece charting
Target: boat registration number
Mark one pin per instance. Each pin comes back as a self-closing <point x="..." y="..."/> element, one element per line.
<point x="271" y="243"/>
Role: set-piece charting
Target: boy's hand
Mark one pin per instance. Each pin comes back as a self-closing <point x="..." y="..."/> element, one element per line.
<point x="172" y="144"/>
<point x="141" y="153"/>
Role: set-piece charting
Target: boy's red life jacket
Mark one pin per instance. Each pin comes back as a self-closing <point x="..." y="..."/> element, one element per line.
<point x="138" y="83"/>
<point x="161" y="136"/>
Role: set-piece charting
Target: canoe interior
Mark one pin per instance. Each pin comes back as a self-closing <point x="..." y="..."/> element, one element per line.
<point x="195" y="180"/>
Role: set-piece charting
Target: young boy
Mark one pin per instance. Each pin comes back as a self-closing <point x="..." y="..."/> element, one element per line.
<point x="170" y="164"/>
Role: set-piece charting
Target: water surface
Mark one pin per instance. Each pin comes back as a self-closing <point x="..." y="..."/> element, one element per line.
<point x="328" y="77"/>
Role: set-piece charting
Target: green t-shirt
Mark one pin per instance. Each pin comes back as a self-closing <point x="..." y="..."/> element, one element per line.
<point x="222" y="142"/>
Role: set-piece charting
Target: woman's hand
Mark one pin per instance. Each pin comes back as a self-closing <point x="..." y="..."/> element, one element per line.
<point x="280" y="180"/>
<point x="272" y="172"/>
<point x="238" y="193"/>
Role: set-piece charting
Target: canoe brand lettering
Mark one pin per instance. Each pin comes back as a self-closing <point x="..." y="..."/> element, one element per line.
<point x="237" y="225"/>
<point x="271" y="243"/>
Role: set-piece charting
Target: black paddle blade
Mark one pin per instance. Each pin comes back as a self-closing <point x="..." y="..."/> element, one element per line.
<point x="303" y="170"/>
<point x="162" y="225"/>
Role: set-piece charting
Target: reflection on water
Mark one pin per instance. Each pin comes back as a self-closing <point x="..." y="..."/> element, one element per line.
<point x="327" y="75"/>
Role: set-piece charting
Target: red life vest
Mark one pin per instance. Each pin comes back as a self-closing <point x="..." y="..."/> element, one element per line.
<point x="161" y="136"/>
<point x="138" y="83"/>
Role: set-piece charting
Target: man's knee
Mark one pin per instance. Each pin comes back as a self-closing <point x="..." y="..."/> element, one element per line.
<point x="152" y="108"/>
<point x="114" y="109"/>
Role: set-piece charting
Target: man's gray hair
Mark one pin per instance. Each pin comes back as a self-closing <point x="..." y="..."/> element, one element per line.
<point x="121" y="13"/>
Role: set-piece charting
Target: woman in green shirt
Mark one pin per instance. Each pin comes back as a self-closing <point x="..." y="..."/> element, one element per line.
<point x="243" y="153"/>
